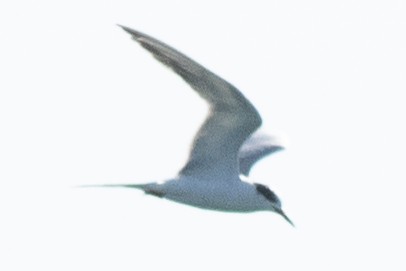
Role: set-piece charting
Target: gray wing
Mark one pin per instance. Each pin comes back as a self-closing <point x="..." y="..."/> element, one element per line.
<point x="255" y="148"/>
<point x="231" y="119"/>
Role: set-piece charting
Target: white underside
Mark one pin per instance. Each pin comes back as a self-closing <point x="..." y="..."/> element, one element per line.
<point x="230" y="196"/>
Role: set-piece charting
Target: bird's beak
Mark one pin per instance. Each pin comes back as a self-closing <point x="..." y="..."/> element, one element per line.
<point x="279" y="211"/>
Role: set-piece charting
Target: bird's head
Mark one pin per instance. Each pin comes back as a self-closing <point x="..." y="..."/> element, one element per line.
<point x="274" y="202"/>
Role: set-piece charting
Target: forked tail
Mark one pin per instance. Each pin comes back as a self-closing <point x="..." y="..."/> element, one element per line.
<point x="149" y="188"/>
<point x="137" y="186"/>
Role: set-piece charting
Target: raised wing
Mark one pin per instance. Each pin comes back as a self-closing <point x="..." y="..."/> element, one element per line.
<point x="255" y="148"/>
<point x="231" y="119"/>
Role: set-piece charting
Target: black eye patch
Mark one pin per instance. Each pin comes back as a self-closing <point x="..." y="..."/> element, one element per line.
<point x="267" y="193"/>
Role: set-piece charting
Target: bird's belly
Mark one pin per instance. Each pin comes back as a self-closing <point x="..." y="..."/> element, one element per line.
<point x="228" y="198"/>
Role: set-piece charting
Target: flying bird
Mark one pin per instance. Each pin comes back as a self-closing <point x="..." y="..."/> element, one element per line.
<point x="224" y="149"/>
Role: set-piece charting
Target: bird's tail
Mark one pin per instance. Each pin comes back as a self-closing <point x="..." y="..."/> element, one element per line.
<point x="149" y="188"/>
<point x="137" y="186"/>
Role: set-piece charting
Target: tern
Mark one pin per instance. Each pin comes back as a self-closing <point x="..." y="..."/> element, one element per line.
<point x="225" y="148"/>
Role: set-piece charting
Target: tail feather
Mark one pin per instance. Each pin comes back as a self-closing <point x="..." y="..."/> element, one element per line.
<point x="149" y="188"/>
<point x="137" y="186"/>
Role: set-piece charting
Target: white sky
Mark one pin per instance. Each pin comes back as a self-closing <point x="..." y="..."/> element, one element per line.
<point x="80" y="103"/>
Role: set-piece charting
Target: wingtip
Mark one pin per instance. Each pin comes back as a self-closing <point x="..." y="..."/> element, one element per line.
<point x="135" y="34"/>
<point x="122" y="26"/>
<point x="125" y="28"/>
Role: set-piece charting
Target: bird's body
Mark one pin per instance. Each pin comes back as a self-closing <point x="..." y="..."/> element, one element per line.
<point x="224" y="149"/>
<point x="235" y="196"/>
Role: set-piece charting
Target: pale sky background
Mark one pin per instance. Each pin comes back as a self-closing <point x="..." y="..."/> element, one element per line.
<point x="81" y="103"/>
